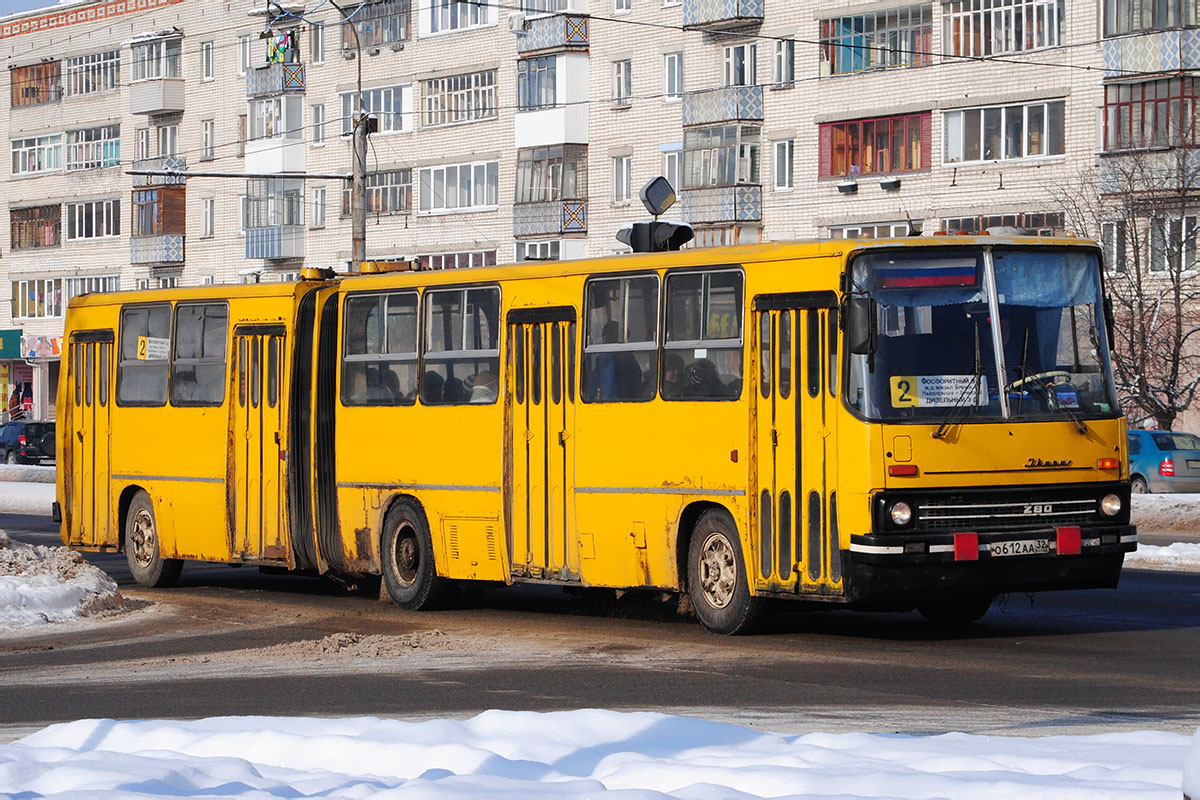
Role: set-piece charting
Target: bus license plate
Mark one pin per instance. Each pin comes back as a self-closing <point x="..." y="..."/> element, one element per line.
<point x="1025" y="547"/>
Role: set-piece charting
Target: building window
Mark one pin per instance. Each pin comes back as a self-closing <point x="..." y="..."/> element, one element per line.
<point x="622" y="6"/>
<point x="37" y="154"/>
<point x="721" y="155"/>
<point x="392" y="107"/>
<point x="95" y="72"/>
<point x="379" y="23"/>
<point x="156" y="59"/>
<point x="35" y="84"/>
<point x="37" y="299"/>
<point x="207" y="140"/>
<point x="94" y="147"/>
<point x="39" y="226"/>
<point x="1172" y="239"/>
<point x="785" y="61"/>
<point x="1112" y="236"/>
<point x="208" y="217"/>
<point x="538" y="251"/>
<point x="473" y="258"/>
<point x="899" y="37"/>
<point x="143" y="144"/>
<point x="455" y="15"/>
<point x="874" y="146"/>
<point x="673" y="76"/>
<point x="206" y="61"/>
<point x="1129" y="16"/>
<point x="159" y="211"/>
<point x="90" y="285"/>
<point x="973" y="28"/>
<point x="784" y="169"/>
<point x="245" y="53"/>
<point x="536" y="83"/>
<point x="277" y="118"/>
<point x="1031" y="224"/>
<point x="460" y="187"/>
<point x="317" y="219"/>
<point x="93" y="220"/>
<point x="873" y="230"/>
<point x="672" y="164"/>
<point x="241" y="135"/>
<point x="272" y="202"/>
<point x="387" y="192"/>
<point x="1147" y="114"/>
<point x="316" y="118"/>
<point x="549" y="174"/>
<point x="1002" y="133"/>
<point x="316" y="43"/>
<point x="460" y="98"/>
<point x="622" y="178"/>
<point x="741" y="68"/>
<point x="168" y="140"/>
<point x="544" y="6"/>
<point x="622" y="82"/>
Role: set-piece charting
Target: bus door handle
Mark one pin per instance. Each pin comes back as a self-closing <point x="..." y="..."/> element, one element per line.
<point x="276" y="437"/>
<point x="563" y="436"/>
<point x="774" y="437"/>
<point x="80" y="435"/>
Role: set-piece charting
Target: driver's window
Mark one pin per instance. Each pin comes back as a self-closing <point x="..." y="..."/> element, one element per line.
<point x="702" y="354"/>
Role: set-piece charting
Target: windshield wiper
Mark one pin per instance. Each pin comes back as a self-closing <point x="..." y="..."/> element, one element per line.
<point x="969" y="390"/>
<point x="1053" y="403"/>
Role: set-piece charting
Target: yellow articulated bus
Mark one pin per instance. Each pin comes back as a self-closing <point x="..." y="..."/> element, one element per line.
<point x="913" y="423"/>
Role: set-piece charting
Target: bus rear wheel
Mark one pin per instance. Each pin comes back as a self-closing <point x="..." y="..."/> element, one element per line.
<point x="717" y="581"/>
<point x="142" y="548"/>
<point x="955" y="611"/>
<point x="406" y="556"/>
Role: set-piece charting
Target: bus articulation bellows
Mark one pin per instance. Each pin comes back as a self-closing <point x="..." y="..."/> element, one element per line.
<point x="914" y="423"/>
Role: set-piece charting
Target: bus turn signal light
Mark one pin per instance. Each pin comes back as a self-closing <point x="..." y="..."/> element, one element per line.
<point x="1108" y="463"/>
<point x="902" y="470"/>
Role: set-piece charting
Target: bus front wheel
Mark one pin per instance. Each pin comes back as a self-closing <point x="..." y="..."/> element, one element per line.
<point x="717" y="581"/>
<point x="406" y="553"/>
<point x="142" y="548"/>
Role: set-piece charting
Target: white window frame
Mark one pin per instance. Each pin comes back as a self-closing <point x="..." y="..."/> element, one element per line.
<point x="451" y="16"/>
<point x="91" y="284"/>
<point x="870" y="230"/>
<point x="673" y="167"/>
<point x="459" y="99"/>
<point x="955" y="132"/>
<point x="741" y="65"/>
<point x="103" y="215"/>
<point x="143" y="144"/>
<point x="673" y="77"/>
<point x="245" y="53"/>
<point x="484" y="176"/>
<point x="539" y="250"/>
<point x="208" y="140"/>
<point x="316" y="43"/>
<point x="268" y="118"/>
<point x="37" y="154"/>
<point x="157" y="58"/>
<point x="1001" y="18"/>
<point x="622" y="179"/>
<point x="785" y="62"/>
<point x="208" y="217"/>
<point x="623" y="82"/>
<point x="316" y="120"/>
<point x="47" y="290"/>
<point x="91" y="73"/>
<point x="206" y="61"/>
<point x="622" y="6"/>
<point x="104" y="150"/>
<point x="167" y="137"/>
<point x="392" y="105"/>
<point x="319" y="207"/>
<point x="784" y="166"/>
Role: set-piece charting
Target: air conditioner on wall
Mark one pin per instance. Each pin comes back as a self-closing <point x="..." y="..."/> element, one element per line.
<point x="517" y="23"/>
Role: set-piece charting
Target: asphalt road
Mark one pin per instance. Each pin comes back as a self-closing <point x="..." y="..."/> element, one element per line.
<point x="1061" y="662"/>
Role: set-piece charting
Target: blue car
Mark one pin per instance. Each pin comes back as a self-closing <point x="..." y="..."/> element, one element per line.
<point x="1162" y="461"/>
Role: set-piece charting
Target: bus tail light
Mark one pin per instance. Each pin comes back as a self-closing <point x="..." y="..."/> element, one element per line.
<point x="1167" y="468"/>
<point x="1108" y="463"/>
<point x="902" y="470"/>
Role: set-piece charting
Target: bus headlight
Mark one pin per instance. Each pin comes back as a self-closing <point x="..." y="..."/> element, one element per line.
<point x="1110" y="506"/>
<point x="901" y="513"/>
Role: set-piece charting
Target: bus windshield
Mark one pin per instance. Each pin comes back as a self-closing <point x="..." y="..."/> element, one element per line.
<point x="986" y="333"/>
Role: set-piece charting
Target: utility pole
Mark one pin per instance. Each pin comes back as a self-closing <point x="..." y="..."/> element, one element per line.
<point x="358" y="185"/>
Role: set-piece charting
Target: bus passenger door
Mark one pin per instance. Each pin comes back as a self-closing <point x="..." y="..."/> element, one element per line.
<point x="795" y="402"/>
<point x="541" y="410"/>
<point x="91" y="362"/>
<point x="257" y="432"/>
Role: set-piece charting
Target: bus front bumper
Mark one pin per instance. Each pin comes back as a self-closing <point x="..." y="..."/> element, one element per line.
<point x="889" y="568"/>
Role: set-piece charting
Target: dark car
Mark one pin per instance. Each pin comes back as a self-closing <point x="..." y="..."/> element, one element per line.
<point x="27" y="442"/>
<point x="1162" y="461"/>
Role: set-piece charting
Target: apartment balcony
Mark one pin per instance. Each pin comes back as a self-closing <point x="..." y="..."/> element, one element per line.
<point x="1163" y="51"/>
<point x="277" y="154"/>
<point x="164" y="248"/>
<point x="713" y="204"/>
<point x="717" y="15"/>
<point x="727" y="104"/>
<point x="556" y="32"/>
<point x="173" y="163"/>
<point x="275" y="242"/>
<point x="272" y="79"/>
<point x="156" y="96"/>
<point x="550" y="219"/>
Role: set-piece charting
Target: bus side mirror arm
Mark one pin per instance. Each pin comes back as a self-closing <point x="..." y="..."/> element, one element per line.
<point x="1110" y="322"/>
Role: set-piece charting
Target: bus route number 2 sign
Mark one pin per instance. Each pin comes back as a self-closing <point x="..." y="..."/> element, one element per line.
<point x="152" y="348"/>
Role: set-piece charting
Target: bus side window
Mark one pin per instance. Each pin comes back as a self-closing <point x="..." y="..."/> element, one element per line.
<point x="103" y="373"/>
<point x="702" y="354"/>
<point x="620" y="354"/>
<point x="379" y="362"/>
<point x="198" y="357"/>
<point x="145" y="346"/>
<point x="461" y="346"/>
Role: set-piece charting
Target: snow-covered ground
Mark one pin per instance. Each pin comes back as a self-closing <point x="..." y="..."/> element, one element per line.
<point x="40" y="585"/>
<point x="577" y="754"/>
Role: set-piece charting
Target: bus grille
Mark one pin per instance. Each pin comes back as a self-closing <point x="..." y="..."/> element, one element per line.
<point x="981" y="513"/>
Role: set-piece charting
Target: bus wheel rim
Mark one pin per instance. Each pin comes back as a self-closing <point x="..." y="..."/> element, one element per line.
<point x="718" y="570"/>
<point x="143" y="538"/>
<point x="406" y="557"/>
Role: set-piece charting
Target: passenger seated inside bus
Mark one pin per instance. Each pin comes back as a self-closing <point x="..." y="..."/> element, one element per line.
<point x="432" y="385"/>
<point x="484" y="388"/>
<point x="619" y="374"/>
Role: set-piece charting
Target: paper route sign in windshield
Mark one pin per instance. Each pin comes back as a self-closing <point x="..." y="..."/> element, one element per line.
<point x="927" y="391"/>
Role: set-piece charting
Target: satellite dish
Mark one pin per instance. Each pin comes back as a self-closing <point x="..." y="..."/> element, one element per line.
<point x="657" y="196"/>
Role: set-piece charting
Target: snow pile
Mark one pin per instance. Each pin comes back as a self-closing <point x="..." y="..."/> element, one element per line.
<point x="1166" y="513"/>
<point x="1180" y="555"/>
<point x="26" y="473"/>
<point x="26" y="498"/>
<point x="39" y="585"/>
<point x="585" y="754"/>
